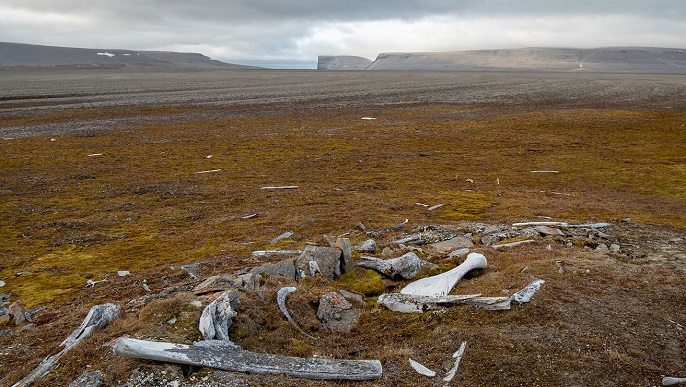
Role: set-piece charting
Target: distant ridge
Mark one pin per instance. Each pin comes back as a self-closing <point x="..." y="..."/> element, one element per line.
<point x="599" y="60"/>
<point x="29" y="55"/>
<point x="342" y="62"/>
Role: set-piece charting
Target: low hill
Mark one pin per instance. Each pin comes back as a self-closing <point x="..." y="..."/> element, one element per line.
<point x="602" y="60"/>
<point x="29" y="55"/>
<point x="342" y="62"/>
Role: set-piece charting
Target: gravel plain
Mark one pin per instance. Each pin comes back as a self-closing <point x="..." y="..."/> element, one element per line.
<point x="37" y="92"/>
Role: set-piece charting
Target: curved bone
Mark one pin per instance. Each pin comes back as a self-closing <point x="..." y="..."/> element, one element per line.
<point x="458" y="357"/>
<point x="281" y="300"/>
<point x="420" y="368"/>
<point x="442" y="284"/>
<point x="225" y="355"/>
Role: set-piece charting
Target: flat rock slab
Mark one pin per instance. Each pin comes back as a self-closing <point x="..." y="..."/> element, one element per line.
<point x="547" y="230"/>
<point x="89" y="379"/>
<point x="284" y="268"/>
<point x="217" y="283"/>
<point x="336" y="313"/>
<point x="327" y="261"/>
<point x="452" y="245"/>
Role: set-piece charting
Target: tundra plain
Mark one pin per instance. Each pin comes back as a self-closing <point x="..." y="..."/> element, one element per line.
<point x="99" y="172"/>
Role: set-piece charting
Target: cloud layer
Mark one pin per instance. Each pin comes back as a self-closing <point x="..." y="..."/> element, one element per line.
<point x="303" y="29"/>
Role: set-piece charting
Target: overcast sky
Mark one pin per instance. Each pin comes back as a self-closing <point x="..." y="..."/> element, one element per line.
<point x="232" y="30"/>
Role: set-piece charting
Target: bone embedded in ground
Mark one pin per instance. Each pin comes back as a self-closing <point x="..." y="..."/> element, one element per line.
<point x="227" y="356"/>
<point x="442" y="284"/>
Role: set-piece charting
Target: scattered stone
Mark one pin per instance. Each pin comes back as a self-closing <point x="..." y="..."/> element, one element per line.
<point x="421" y="369"/>
<point x="89" y="379"/>
<point x="123" y="273"/>
<point x="368" y="246"/>
<point x="489" y="240"/>
<point x="285" y="235"/>
<point x="284" y="268"/>
<point x="146" y="287"/>
<point x="458" y="253"/>
<point x="344" y="245"/>
<point x="5" y="332"/>
<point x="615" y="248"/>
<point x="2" y="283"/>
<point x="4" y="299"/>
<point x="546" y="230"/>
<point x="17" y="313"/>
<point x="327" y="259"/>
<point x="452" y="244"/>
<point x="352" y="296"/>
<point x="217" y="283"/>
<point x="602" y="247"/>
<point x="404" y="267"/>
<point x="336" y="313"/>
<point x="525" y="294"/>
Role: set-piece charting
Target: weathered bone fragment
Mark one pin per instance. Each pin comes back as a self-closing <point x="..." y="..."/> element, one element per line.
<point x="225" y="355"/>
<point x="535" y="224"/>
<point x="269" y="253"/>
<point x="216" y="317"/>
<point x="406" y="266"/>
<point x="670" y="381"/>
<point x="442" y="284"/>
<point x="281" y="301"/>
<point x="420" y="368"/>
<point x="458" y="357"/>
<point x="97" y="318"/>
<point x="512" y="244"/>
<point x="285" y="235"/>
<point x="373" y="234"/>
<point x="525" y="294"/>
<point x="281" y="187"/>
<point x="410" y="303"/>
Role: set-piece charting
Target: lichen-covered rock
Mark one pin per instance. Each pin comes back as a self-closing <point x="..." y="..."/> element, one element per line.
<point x="283" y="268"/>
<point x="405" y="267"/>
<point x="89" y="379"/>
<point x="217" y="283"/>
<point x="327" y="260"/>
<point x="452" y="244"/>
<point x="336" y="313"/>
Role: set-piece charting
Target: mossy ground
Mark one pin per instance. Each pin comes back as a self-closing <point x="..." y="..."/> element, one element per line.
<point x="142" y="206"/>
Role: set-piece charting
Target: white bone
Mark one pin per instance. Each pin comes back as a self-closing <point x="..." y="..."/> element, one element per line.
<point x="442" y="284"/>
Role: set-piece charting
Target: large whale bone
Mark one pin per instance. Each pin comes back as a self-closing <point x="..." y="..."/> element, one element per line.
<point x="98" y="317"/>
<point x="442" y="284"/>
<point x="227" y="356"/>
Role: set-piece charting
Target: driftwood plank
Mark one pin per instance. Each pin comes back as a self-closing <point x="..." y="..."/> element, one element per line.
<point x="225" y="355"/>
